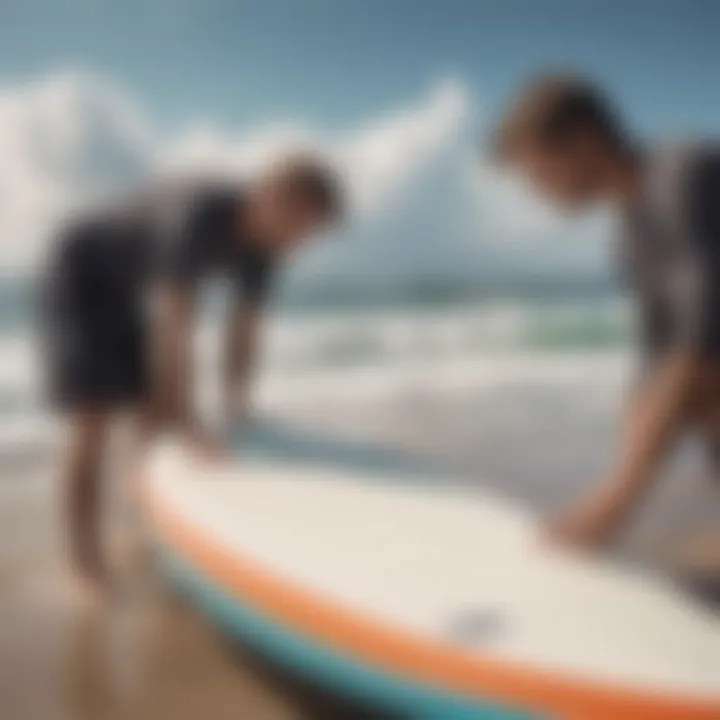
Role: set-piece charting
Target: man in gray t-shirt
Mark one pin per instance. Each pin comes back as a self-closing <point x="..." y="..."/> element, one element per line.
<point x="565" y="137"/>
<point x="670" y="250"/>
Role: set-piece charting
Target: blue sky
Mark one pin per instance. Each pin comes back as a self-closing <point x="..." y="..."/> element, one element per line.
<point x="396" y="90"/>
<point x="335" y="60"/>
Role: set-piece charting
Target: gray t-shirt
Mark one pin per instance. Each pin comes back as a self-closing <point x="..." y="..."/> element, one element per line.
<point x="670" y="250"/>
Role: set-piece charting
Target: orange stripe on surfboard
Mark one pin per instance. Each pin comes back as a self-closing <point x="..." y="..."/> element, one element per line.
<point x="418" y="660"/>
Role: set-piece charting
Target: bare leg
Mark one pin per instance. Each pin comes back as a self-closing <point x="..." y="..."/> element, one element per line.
<point x="144" y="432"/>
<point x="128" y="535"/>
<point x="82" y="482"/>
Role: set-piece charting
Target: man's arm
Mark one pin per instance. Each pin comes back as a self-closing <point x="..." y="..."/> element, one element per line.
<point x="656" y="415"/>
<point x="186" y="232"/>
<point x="241" y="349"/>
<point x="654" y="420"/>
<point x="170" y="356"/>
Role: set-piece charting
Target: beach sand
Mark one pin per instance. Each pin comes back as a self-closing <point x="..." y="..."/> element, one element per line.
<point x="142" y="655"/>
<point x="148" y="655"/>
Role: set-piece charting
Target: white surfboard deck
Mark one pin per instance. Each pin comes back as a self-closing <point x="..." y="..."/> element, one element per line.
<point x="458" y="567"/>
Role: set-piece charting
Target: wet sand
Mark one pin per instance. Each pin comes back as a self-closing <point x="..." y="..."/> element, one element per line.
<point x="143" y="655"/>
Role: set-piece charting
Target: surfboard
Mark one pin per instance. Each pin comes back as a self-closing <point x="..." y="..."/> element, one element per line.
<point x="425" y="597"/>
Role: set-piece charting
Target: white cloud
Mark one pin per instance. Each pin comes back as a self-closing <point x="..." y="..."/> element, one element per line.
<point x="62" y="141"/>
<point x="423" y="201"/>
<point x="393" y="151"/>
<point x="208" y="148"/>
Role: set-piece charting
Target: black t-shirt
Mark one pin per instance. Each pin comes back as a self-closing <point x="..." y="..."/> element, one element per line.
<point x="181" y="235"/>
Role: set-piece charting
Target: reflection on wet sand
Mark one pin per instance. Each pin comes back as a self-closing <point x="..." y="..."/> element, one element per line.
<point x="143" y="654"/>
<point x="161" y="661"/>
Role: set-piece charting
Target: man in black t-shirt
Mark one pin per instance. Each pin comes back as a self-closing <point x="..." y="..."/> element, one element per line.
<point x="120" y="306"/>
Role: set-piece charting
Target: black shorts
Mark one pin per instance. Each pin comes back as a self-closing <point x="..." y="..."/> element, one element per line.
<point x="94" y="336"/>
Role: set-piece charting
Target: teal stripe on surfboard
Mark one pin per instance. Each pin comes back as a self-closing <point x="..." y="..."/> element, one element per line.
<point x="315" y="663"/>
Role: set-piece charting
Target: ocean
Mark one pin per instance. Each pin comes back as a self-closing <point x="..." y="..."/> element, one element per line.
<point x="519" y="386"/>
<point x="315" y="331"/>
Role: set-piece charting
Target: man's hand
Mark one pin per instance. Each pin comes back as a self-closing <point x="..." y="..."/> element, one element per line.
<point x="203" y="444"/>
<point x="655" y="416"/>
<point x="589" y="524"/>
<point x="235" y="410"/>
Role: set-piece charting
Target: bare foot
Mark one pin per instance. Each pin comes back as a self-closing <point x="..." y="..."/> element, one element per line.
<point x="88" y="594"/>
<point x="90" y="578"/>
<point x="203" y="445"/>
